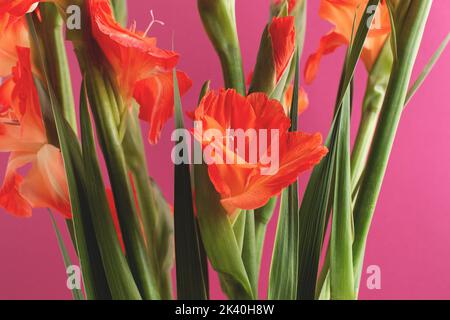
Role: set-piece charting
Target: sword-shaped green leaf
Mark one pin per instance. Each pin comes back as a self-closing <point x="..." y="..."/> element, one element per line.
<point x="284" y="269"/>
<point x="191" y="284"/>
<point x="77" y="294"/>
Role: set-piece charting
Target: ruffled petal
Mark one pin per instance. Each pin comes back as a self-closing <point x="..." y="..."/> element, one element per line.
<point x="299" y="153"/>
<point x="245" y="185"/>
<point x="226" y="109"/>
<point x="269" y="112"/>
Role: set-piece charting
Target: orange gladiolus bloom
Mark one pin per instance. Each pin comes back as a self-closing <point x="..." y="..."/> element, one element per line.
<point x="143" y="70"/>
<point x="22" y="133"/>
<point x="341" y="13"/>
<point x="242" y="185"/>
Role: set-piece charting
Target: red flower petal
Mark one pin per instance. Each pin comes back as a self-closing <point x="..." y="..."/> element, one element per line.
<point x="155" y="96"/>
<point x="17" y="8"/>
<point x="328" y="44"/>
<point x="12" y="200"/>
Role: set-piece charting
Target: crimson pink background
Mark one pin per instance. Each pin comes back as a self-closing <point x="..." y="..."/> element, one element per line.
<point x="410" y="236"/>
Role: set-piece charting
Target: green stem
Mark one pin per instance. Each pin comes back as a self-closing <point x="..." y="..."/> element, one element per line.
<point x="120" y="11"/>
<point x="362" y="144"/>
<point x="262" y="219"/>
<point x="56" y="60"/>
<point x="249" y="253"/>
<point x="219" y="21"/>
<point x="373" y="101"/>
<point x="321" y="288"/>
<point x="231" y="62"/>
<point x="408" y="43"/>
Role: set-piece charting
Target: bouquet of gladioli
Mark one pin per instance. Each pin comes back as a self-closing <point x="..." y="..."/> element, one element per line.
<point x="236" y="167"/>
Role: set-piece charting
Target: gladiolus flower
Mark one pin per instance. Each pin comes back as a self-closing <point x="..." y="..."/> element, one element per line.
<point x="142" y="69"/>
<point x="242" y="184"/>
<point x="12" y="35"/>
<point x="341" y="13"/>
<point x="22" y="133"/>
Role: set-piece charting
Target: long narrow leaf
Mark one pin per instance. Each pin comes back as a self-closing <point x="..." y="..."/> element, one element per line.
<point x="428" y="68"/>
<point x="191" y="284"/>
<point x="341" y="258"/>
<point x="249" y="253"/>
<point x="284" y="269"/>
<point x="77" y="294"/>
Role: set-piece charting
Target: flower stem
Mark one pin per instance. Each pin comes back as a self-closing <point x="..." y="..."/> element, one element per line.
<point x="373" y="101"/>
<point x="120" y="11"/>
<point x="51" y="32"/>
<point x="409" y="40"/>
<point x="219" y="20"/>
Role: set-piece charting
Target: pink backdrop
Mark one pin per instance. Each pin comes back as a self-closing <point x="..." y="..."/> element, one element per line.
<point x="410" y="236"/>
